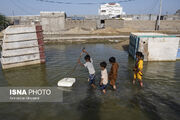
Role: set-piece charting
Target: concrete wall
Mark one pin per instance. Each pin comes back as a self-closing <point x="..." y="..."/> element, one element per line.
<point x="140" y="25"/>
<point x="22" y="45"/>
<point x="143" y="25"/>
<point x="113" y="23"/>
<point x="84" y="24"/>
<point x="133" y="17"/>
<point x="152" y="17"/>
<point x="24" y="20"/>
<point x="56" y="22"/>
<point x="166" y="25"/>
<point x="162" y="49"/>
<point x="154" y="46"/>
<point x="142" y="17"/>
<point x="171" y="17"/>
<point x="52" y="22"/>
<point x="171" y="25"/>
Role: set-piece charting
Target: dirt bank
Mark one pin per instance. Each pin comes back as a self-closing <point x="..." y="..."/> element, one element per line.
<point x="112" y="31"/>
<point x="109" y="31"/>
<point x="121" y="45"/>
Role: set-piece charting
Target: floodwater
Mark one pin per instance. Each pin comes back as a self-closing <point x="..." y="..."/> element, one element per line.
<point x="158" y="100"/>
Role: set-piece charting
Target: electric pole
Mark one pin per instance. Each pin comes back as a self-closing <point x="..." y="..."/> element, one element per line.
<point x="13" y="13"/>
<point x="159" y="17"/>
<point x="13" y="17"/>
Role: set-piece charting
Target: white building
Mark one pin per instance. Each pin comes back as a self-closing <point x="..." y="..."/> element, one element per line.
<point x="111" y="9"/>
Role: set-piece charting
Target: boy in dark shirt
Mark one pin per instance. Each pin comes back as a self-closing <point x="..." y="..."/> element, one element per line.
<point x="114" y="72"/>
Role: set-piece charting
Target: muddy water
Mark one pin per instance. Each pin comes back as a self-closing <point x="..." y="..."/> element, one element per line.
<point x="158" y="100"/>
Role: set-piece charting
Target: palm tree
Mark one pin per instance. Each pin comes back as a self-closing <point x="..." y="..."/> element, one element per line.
<point x="4" y="22"/>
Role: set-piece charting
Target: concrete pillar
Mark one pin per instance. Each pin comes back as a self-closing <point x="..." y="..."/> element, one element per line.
<point x="52" y="22"/>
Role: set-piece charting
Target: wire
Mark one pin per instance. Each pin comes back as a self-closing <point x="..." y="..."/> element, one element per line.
<point x="154" y="6"/>
<point x="19" y="7"/>
<point x="82" y="3"/>
<point x="23" y="3"/>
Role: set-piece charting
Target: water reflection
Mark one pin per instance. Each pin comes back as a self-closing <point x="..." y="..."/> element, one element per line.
<point x="157" y="70"/>
<point x="90" y="106"/>
<point x="147" y="107"/>
<point x="34" y="75"/>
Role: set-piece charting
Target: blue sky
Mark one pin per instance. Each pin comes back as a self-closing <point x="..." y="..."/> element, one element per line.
<point x="33" y="7"/>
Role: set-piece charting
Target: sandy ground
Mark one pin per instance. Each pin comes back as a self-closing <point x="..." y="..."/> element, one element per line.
<point x="110" y="31"/>
<point x="106" y="31"/>
<point x="113" y="31"/>
<point x="76" y="31"/>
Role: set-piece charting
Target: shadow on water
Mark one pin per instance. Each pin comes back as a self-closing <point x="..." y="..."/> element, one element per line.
<point x="147" y="107"/>
<point x="90" y="106"/>
<point x="125" y="47"/>
<point x="171" y="104"/>
<point x="154" y="106"/>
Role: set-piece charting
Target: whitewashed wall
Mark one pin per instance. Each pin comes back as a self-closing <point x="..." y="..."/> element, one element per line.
<point x="22" y="45"/>
<point x="155" y="46"/>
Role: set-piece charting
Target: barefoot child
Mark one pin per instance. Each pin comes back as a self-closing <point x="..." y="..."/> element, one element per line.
<point x="90" y="67"/>
<point x="138" y="68"/>
<point x="114" y="72"/>
<point x="104" y="77"/>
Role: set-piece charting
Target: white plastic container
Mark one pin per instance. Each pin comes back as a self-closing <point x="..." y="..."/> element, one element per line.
<point x="66" y="82"/>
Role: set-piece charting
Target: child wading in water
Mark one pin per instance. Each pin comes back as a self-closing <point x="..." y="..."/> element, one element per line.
<point x="89" y="66"/>
<point x="114" y="72"/>
<point x="138" y="68"/>
<point x="104" y="77"/>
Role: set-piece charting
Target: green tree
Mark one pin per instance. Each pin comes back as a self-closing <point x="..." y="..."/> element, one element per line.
<point x="4" y="22"/>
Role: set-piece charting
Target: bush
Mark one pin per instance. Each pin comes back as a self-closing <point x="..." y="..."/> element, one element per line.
<point x="4" y="22"/>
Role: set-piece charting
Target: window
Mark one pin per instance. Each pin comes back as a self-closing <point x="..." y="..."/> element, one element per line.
<point x="103" y="10"/>
<point x="102" y="21"/>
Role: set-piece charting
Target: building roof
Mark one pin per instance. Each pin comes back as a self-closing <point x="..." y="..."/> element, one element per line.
<point x="112" y="3"/>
